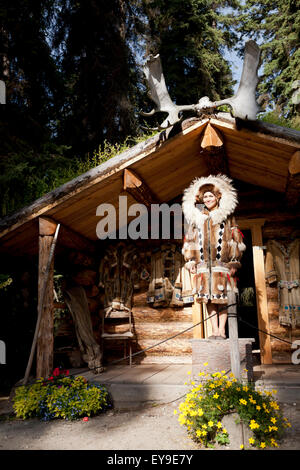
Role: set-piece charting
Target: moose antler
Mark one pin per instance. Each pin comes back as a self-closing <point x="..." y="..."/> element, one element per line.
<point x="243" y="104"/>
<point x="160" y="95"/>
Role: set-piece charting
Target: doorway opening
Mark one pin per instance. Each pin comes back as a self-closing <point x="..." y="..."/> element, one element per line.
<point x="247" y="308"/>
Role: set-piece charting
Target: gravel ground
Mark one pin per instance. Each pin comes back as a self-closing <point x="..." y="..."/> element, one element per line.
<point x="151" y="428"/>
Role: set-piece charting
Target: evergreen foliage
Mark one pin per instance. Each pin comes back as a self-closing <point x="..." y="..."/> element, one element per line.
<point x="276" y="26"/>
<point x="73" y="74"/>
<point x="191" y="41"/>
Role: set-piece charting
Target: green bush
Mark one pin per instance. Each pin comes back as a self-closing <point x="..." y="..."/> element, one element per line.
<point x="60" y="396"/>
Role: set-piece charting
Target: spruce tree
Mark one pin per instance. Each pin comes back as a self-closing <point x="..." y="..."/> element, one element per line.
<point x="99" y="71"/>
<point x="191" y="37"/>
<point x="276" y="27"/>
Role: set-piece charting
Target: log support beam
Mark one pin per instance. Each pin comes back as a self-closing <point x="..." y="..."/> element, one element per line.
<point x="45" y="339"/>
<point x="213" y="151"/>
<point x="138" y="189"/>
<point x="255" y="225"/>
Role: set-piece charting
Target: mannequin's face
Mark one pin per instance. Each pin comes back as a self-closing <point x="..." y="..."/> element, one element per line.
<point x="210" y="200"/>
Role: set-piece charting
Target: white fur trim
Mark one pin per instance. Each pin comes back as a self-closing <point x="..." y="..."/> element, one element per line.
<point x="227" y="204"/>
<point x="241" y="246"/>
<point x="190" y="264"/>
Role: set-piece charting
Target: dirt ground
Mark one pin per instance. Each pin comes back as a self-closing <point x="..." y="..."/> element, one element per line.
<point x="150" y="428"/>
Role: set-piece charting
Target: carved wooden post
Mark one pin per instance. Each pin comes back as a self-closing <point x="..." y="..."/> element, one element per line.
<point x="233" y="336"/>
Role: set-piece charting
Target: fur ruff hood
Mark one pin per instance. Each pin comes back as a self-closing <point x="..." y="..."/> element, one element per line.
<point x="227" y="202"/>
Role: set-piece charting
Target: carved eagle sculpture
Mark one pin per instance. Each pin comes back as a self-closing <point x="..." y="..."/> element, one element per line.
<point x="243" y="103"/>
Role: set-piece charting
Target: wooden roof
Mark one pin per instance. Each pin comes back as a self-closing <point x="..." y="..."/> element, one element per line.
<point x="260" y="155"/>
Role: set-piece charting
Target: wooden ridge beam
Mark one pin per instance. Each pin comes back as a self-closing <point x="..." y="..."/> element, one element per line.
<point x="212" y="149"/>
<point x="292" y="190"/>
<point x="138" y="189"/>
<point x="211" y="138"/>
<point x="294" y="164"/>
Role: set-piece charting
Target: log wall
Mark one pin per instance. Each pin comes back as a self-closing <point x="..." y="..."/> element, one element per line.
<point x="153" y="325"/>
<point x="281" y="224"/>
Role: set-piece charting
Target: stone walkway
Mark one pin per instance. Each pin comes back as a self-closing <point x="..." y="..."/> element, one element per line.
<point x="160" y="383"/>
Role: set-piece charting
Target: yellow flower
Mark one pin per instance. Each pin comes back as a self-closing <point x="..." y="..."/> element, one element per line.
<point x="215" y="396"/>
<point x="198" y="433"/>
<point x="192" y="383"/>
<point x="238" y="389"/>
<point x="274" y="443"/>
<point x="210" y="423"/>
<point x="200" y="412"/>
<point x="200" y="374"/>
<point x="251" y="440"/>
<point x="175" y="412"/>
<point x="245" y="370"/>
<point x="274" y="405"/>
<point x="204" y="433"/>
<point x="258" y="407"/>
<point x="253" y="424"/>
<point x="273" y="420"/>
<point x="222" y="371"/>
<point x="211" y="386"/>
<point x="274" y="392"/>
<point x="262" y="445"/>
<point x="205" y="364"/>
<point x="225" y="431"/>
<point x="181" y="420"/>
<point x="204" y="426"/>
<point x="219" y="424"/>
<point x="243" y="402"/>
<point x="242" y="446"/>
<point x="245" y="389"/>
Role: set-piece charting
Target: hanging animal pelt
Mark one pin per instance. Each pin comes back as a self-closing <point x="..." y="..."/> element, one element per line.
<point x="76" y="300"/>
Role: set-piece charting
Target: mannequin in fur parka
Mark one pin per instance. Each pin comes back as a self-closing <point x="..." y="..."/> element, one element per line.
<point x="213" y="244"/>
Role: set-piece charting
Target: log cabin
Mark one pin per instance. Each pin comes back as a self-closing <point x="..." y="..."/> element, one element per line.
<point x="263" y="160"/>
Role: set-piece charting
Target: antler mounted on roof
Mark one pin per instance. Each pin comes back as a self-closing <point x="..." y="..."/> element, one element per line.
<point x="243" y="103"/>
<point x="160" y="95"/>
